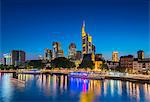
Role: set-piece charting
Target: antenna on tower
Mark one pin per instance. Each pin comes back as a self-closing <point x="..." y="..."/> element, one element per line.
<point x="83" y="23"/>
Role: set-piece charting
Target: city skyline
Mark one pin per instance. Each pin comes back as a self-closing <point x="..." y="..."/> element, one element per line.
<point x="32" y="28"/>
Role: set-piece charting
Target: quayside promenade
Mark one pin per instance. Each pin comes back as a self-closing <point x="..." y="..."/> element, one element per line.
<point x="92" y="75"/>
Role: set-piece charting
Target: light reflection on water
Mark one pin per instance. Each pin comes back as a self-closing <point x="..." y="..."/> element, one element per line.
<point x="61" y="88"/>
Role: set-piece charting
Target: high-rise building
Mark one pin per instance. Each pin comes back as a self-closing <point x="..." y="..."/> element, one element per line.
<point x="78" y="55"/>
<point x="18" y="57"/>
<point x="115" y="56"/>
<point x="72" y="51"/>
<point x="93" y="48"/>
<point x="7" y="59"/>
<point x="57" y="51"/>
<point x="56" y="48"/>
<point x="140" y="54"/>
<point x="98" y="57"/>
<point x="48" y="54"/>
<point x="87" y="46"/>
<point x="60" y="53"/>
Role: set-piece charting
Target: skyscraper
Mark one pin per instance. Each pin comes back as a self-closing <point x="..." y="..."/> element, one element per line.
<point x="57" y="51"/>
<point x="140" y="54"/>
<point x="48" y="54"/>
<point x="87" y="46"/>
<point x="7" y="60"/>
<point x="98" y="57"/>
<point x="56" y="47"/>
<point x="72" y="51"/>
<point x="78" y="55"/>
<point x="18" y="56"/>
<point x="115" y="56"/>
<point x="60" y="53"/>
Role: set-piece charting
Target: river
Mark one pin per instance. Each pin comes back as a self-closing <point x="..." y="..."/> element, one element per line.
<point x="61" y="88"/>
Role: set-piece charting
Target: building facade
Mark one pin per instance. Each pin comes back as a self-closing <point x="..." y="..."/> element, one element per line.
<point x="126" y="61"/>
<point x="72" y="52"/>
<point x="141" y="65"/>
<point x="87" y="46"/>
<point x="60" y="53"/>
<point x="57" y="51"/>
<point x="140" y="54"/>
<point x="79" y="55"/>
<point x="18" y="56"/>
<point x="112" y="64"/>
<point x="98" y="57"/>
<point x="48" y="54"/>
<point x="7" y="60"/>
<point x="115" y="56"/>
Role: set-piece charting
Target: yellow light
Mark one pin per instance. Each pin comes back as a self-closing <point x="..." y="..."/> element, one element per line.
<point x="83" y="45"/>
<point x="83" y="34"/>
<point x="89" y="38"/>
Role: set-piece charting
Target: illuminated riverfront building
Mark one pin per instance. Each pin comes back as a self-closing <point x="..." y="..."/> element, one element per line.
<point x="126" y="61"/>
<point x="115" y="56"/>
<point x="57" y="52"/>
<point x="87" y="46"/>
<point x="112" y="64"/>
<point x="140" y="54"/>
<point x="141" y="65"/>
<point x="18" y="56"/>
<point x="72" y="52"/>
<point x="47" y="54"/>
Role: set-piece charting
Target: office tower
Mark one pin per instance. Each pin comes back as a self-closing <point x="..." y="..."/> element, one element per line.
<point x="48" y="54"/>
<point x="57" y="51"/>
<point x="78" y="55"/>
<point x="115" y="56"/>
<point x="87" y="46"/>
<point x="89" y="57"/>
<point x="18" y="57"/>
<point x="7" y="59"/>
<point x="140" y="54"/>
<point x="98" y="57"/>
<point x="60" y="53"/>
<point x="72" y="51"/>
<point x="56" y="48"/>
<point x="93" y="48"/>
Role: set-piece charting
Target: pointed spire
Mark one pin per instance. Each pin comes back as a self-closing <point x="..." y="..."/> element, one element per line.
<point x="83" y="24"/>
<point x="83" y="28"/>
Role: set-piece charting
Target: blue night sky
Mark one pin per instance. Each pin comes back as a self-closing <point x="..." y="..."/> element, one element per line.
<point x="115" y="25"/>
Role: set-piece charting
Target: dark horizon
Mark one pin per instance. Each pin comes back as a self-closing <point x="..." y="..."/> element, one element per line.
<point x="114" y="25"/>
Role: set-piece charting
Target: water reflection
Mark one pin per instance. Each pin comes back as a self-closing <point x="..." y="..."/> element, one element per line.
<point x="61" y="88"/>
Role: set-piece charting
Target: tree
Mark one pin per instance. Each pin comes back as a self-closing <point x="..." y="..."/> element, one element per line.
<point x="35" y="64"/>
<point x="1" y="67"/>
<point x="119" y="69"/>
<point x="62" y="62"/>
<point x="87" y="64"/>
<point x="104" y="67"/>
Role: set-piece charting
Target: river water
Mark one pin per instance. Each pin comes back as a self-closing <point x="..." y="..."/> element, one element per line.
<point x="61" y="88"/>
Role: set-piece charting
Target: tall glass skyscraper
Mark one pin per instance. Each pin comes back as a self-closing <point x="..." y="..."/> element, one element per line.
<point x="87" y="46"/>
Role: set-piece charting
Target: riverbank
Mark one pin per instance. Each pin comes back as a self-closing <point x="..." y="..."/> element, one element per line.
<point x="132" y="78"/>
<point x="95" y="76"/>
